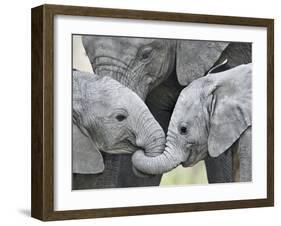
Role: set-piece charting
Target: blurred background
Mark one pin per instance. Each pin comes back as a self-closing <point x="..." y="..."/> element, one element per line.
<point x="178" y="176"/>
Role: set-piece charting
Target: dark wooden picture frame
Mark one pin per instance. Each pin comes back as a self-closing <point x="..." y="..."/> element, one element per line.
<point x="42" y="203"/>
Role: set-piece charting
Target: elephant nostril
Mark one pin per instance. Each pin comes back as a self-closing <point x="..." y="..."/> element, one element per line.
<point x="183" y="130"/>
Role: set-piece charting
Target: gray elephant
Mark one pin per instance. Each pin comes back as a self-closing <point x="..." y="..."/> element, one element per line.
<point x="193" y="60"/>
<point x="138" y="63"/>
<point x="211" y="115"/>
<point x="157" y="70"/>
<point x="109" y="117"/>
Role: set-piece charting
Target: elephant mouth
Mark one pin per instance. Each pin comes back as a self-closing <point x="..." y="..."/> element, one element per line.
<point x="194" y="156"/>
<point x="132" y="147"/>
<point x="189" y="160"/>
<point x="122" y="147"/>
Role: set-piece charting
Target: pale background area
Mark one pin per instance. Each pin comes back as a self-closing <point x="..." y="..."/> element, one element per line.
<point x="178" y="176"/>
<point x="15" y="97"/>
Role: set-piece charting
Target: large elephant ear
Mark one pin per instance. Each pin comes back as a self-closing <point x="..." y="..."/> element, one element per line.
<point x="195" y="58"/>
<point x="86" y="158"/>
<point x="230" y="115"/>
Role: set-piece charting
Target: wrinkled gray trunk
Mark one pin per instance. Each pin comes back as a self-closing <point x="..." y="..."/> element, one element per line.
<point x="162" y="163"/>
<point x="149" y="134"/>
<point x="120" y="71"/>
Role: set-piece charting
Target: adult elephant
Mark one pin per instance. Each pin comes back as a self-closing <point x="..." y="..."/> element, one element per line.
<point x="157" y="70"/>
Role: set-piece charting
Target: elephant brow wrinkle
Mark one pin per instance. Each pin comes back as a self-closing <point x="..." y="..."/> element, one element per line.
<point x="112" y="58"/>
<point x="107" y="69"/>
<point x="111" y="65"/>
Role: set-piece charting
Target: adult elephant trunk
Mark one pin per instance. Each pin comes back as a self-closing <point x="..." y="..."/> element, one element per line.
<point x="159" y="164"/>
<point x="121" y="72"/>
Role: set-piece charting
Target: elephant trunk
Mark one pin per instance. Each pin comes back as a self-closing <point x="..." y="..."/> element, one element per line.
<point x="159" y="164"/>
<point x="151" y="136"/>
<point x="120" y="71"/>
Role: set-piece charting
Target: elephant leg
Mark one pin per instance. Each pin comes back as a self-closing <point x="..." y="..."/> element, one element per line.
<point x="245" y="156"/>
<point x="229" y="166"/>
<point x="120" y="176"/>
<point x="219" y="170"/>
<point x="127" y="178"/>
<point x="118" y="173"/>
<point x="106" y="179"/>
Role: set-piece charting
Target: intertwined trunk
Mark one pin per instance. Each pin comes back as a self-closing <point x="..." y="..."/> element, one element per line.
<point x="159" y="164"/>
<point x="149" y="134"/>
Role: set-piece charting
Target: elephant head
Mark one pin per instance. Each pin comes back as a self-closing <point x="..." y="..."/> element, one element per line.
<point x="109" y="117"/>
<point x="209" y="116"/>
<point x="138" y="63"/>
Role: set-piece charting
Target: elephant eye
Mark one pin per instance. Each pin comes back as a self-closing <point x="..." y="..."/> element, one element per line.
<point x="120" y="117"/>
<point x="183" y="130"/>
<point x="146" y="53"/>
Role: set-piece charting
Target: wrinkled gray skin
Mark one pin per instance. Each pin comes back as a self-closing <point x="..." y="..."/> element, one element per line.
<point x="141" y="65"/>
<point x="211" y="114"/>
<point x="109" y="117"/>
<point x="138" y="63"/>
<point x="161" y="101"/>
<point x="168" y="68"/>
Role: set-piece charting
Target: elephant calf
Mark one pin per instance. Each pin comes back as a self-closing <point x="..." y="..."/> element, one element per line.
<point x="211" y="115"/>
<point x="111" y="118"/>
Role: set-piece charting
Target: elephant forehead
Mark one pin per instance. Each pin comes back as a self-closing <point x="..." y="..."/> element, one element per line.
<point x="104" y="92"/>
<point x="190" y="96"/>
<point x="113" y="98"/>
<point x="112" y="41"/>
<point x="109" y="95"/>
<point x="115" y="46"/>
<point x="187" y="108"/>
<point x="195" y="88"/>
<point x="89" y="86"/>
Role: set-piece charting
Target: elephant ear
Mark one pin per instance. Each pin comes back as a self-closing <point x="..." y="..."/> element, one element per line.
<point x="86" y="158"/>
<point x="230" y="116"/>
<point x="195" y="58"/>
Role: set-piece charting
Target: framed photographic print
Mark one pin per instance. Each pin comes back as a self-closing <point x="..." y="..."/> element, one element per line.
<point x="141" y="112"/>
